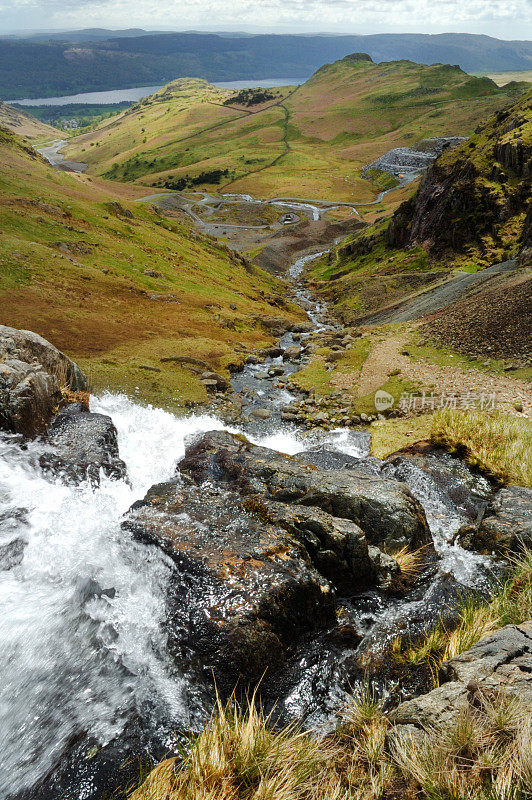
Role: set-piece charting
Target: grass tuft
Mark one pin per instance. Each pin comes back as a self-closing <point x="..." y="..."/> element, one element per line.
<point x="512" y="604"/>
<point x="499" y="445"/>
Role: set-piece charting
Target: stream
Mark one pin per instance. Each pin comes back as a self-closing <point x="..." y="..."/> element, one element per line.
<point x="85" y="669"/>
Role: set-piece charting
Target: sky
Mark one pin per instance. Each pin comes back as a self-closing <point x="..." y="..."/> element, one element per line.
<point x="504" y="19"/>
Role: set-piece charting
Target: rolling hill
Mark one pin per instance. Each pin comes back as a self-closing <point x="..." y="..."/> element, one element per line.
<point x="82" y="61"/>
<point x="120" y="288"/>
<point x="309" y="141"/>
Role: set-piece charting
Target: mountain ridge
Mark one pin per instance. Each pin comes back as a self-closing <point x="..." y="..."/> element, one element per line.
<point x="33" y="68"/>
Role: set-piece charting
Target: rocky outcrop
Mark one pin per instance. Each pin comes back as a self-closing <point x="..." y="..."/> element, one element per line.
<point x="243" y="590"/>
<point x="261" y="543"/>
<point x="385" y="510"/>
<point x="32" y="372"/>
<point x="500" y="663"/>
<point x="506" y="526"/>
<point x="83" y="446"/>
<point x="472" y="193"/>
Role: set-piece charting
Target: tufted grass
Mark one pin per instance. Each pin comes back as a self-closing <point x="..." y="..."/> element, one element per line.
<point x="483" y="754"/>
<point x="512" y="604"/>
<point x="498" y="444"/>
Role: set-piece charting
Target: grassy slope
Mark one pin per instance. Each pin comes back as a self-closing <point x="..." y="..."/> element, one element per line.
<point x="365" y="272"/>
<point x="72" y="269"/>
<point x="307" y="143"/>
<point x="25" y="125"/>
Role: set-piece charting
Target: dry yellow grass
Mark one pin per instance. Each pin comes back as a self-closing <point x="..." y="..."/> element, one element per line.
<point x="484" y="754"/>
<point x="512" y="604"/>
<point x="499" y="445"/>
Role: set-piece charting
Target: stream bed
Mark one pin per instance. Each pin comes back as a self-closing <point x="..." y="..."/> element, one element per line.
<point x="86" y="675"/>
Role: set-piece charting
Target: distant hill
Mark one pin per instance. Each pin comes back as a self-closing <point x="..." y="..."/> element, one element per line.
<point x="311" y="141"/>
<point x="95" y="60"/>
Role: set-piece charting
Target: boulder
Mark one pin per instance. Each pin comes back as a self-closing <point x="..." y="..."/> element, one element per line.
<point x="243" y="590"/>
<point x="33" y="349"/>
<point x="292" y="353"/>
<point x="32" y="373"/>
<point x="498" y="663"/>
<point x="214" y="378"/>
<point x="82" y="446"/>
<point x="28" y="398"/>
<point x="506" y="526"/>
<point x="385" y="510"/>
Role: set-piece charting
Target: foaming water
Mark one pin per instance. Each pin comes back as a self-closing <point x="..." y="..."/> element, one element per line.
<point x="81" y="616"/>
<point x="82" y="605"/>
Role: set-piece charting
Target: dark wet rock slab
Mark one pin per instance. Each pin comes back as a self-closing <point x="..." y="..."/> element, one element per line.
<point x="506" y="525"/>
<point x="385" y="510"/>
<point x="82" y="446"/>
<point x="243" y="589"/>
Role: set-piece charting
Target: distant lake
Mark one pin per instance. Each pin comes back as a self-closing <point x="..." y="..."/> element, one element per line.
<point x="133" y="95"/>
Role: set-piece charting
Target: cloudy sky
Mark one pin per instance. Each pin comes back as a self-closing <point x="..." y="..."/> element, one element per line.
<point x="505" y="19"/>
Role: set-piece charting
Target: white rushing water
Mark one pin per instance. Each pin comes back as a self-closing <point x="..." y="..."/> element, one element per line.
<point x="81" y="616"/>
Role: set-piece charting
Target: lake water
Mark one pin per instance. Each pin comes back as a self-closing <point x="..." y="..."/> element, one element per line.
<point x="133" y="95"/>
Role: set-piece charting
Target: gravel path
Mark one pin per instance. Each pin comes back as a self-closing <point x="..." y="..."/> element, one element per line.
<point x="440" y="296"/>
<point x="387" y="355"/>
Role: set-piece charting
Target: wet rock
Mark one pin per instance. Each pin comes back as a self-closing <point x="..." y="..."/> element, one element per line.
<point x="261" y="375"/>
<point x="506" y="526"/>
<point x="292" y="353"/>
<point x="32" y="372"/>
<point x="261" y="413"/>
<point x="384" y="509"/>
<point x="83" y="445"/>
<point x="302" y="327"/>
<point x="497" y="663"/>
<point x="243" y="590"/>
<point x="271" y="352"/>
<point x="337" y="547"/>
<point x="324" y="458"/>
<point x="11" y="554"/>
<point x="443" y="474"/>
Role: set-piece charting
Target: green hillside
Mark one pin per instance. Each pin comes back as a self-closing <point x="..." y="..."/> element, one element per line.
<point x="310" y="141"/>
<point x="118" y="287"/>
<point x="469" y="212"/>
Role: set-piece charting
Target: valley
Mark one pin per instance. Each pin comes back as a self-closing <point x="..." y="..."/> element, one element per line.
<point x="266" y="482"/>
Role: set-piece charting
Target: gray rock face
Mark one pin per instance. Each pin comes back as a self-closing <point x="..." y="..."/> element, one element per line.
<point x="506" y="526"/>
<point x="33" y="349"/>
<point x="260" y="542"/>
<point x="31" y="373"/>
<point x="83" y="445"/>
<point x="28" y="397"/>
<point x="498" y="663"/>
<point x="243" y="589"/>
<point x="385" y="510"/>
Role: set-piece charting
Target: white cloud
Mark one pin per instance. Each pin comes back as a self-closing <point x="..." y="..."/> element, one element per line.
<point x="503" y="18"/>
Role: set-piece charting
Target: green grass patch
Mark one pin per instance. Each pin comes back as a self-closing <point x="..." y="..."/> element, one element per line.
<point x="497" y="444"/>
